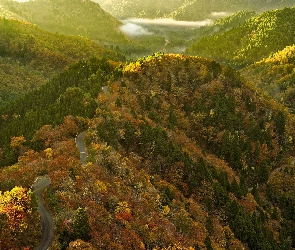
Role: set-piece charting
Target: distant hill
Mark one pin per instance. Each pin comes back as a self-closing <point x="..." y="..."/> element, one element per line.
<point x="70" y="17"/>
<point x="202" y="9"/>
<point x="139" y="8"/>
<point x="222" y="24"/>
<point x="181" y="153"/>
<point x="251" y="41"/>
<point x="186" y="10"/>
<point x="276" y="75"/>
<point x="29" y="56"/>
<point x="8" y="14"/>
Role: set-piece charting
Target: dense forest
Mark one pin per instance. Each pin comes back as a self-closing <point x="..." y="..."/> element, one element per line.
<point x="221" y="25"/>
<point x="180" y="146"/>
<point x="184" y="151"/>
<point x="62" y="95"/>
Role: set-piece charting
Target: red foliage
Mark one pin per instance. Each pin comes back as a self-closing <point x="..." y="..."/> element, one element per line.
<point x="124" y="216"/>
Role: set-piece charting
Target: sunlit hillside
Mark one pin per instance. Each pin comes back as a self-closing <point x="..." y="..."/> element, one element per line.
<point x="251" y="41"/>
<point x="276" y="75"/>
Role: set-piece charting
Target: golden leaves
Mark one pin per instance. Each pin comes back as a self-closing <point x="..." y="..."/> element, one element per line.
<point x="17" y="142"/>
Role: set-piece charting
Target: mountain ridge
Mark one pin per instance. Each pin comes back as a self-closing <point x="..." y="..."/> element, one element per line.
<point x="186" y="10"/>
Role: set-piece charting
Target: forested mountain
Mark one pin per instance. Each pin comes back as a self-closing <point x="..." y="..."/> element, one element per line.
<point x="29" y="56"/>
<point x="252" y="41"/>
<point x="71" y="92"/>
<point x="182" y="154"/>
<point x="186" y="9"/>
<point x="221" y="25"/>
<point x="70" y="17"/>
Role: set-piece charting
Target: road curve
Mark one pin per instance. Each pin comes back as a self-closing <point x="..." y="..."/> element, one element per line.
<point x="81" y="147"/>
<point x="47" y="236"/>
<point x="39" y="186"/>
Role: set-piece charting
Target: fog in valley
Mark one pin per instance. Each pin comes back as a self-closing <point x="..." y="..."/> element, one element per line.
<point x="143" y="26"/>
<point x="165" y="35"/>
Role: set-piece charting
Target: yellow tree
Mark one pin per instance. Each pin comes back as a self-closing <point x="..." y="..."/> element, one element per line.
<point x="18" y="219"/>
<point x="17" y="142"/>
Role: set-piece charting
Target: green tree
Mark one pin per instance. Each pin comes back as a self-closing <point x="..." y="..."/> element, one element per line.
<point x="280" y="125"/>
<point x="81" y="228"/>
<point x="207" y="243"/>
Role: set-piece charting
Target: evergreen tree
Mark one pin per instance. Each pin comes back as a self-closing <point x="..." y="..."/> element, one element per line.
<point x="81" y="228"/>
<point x="207" y="243"/>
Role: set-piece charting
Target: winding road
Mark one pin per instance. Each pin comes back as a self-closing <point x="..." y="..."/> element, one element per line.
<point x="40" y="184"/>
<point x="47" y="237"/>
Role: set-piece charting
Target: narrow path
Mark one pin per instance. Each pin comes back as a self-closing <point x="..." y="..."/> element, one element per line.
<point x="46" y="217"/>
<point x="81" y="147"/>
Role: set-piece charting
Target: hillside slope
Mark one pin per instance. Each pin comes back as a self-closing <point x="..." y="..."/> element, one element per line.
<point x="8" y="14"/>
<point x="276" y="75"/>
<point x="70" y="17"/>
<point x="181" y="151"/>
<point x="70" y="93"/>
<point x="251" y="41"/>
<point x="29" y="56"/>
<point x="221" y="25"/>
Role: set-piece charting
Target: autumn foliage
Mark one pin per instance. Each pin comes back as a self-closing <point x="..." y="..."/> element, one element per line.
<point x="182" y="153"/>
